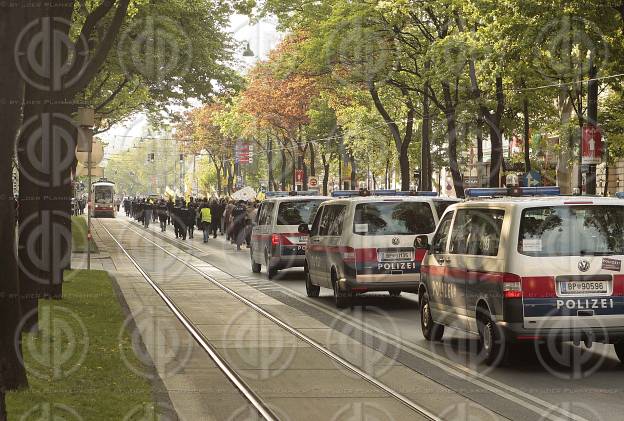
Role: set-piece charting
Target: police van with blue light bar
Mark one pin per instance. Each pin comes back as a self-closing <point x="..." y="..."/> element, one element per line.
<point x="526" y="265"/>
<point x="276" y="242"/>
<point x="363" y="241"/>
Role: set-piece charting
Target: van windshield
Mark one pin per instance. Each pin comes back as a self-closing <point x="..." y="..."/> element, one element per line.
<point x="297" y="212"/>
<point x="572" y="231"/>
<point x="393" y="218"/>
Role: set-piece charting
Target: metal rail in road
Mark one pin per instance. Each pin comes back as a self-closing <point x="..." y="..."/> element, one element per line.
<point x="223" y="365"/>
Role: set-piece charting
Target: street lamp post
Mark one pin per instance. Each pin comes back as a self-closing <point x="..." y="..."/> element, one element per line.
<point x="86" y="120"/>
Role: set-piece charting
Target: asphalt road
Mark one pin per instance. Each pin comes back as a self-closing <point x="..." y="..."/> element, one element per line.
<point x="579" y="383"/>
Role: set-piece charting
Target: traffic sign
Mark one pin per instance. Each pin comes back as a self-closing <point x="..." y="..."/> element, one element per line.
<point x="532" y="179"/>
<point x="298" y="176"/>
<point x="313" y="182"/>
<point x="591" y="145"/>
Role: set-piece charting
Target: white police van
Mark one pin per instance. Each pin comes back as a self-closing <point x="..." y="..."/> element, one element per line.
<point x="276" y="242"/>
<point x="362" y="241"/>
<point x="526" y="268"/>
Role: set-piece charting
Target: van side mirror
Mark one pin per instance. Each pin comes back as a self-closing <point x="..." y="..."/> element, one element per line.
<point x="421" y="242"/>
<point x="304" y="229"/>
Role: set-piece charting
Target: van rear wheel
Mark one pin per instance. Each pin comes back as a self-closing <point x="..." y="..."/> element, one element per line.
<point x="492" y="346"/>
<point x="342" y="298"/>
<point x="619" y="350"/>
<point x="255" y="267"/>
<point x="430" y="329"/>
<point x="312" y="290"/>
<point x="271" y="270"/>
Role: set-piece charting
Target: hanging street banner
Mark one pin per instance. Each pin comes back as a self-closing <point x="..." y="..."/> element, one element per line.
<point x="591" y="147"/>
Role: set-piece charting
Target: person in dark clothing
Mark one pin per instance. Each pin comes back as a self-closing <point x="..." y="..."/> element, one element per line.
<point x="162" y="215"/>
<point x="189" y="218"/>
<point x="147" y="213"/>
<point x="176" y="217"/>
<point x="216" y="219"/>
<point x="170" y="206"/>
<point x="239" y="214"/>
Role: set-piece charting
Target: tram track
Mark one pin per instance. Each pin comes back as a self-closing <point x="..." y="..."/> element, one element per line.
<point x="542" y="408"/>
<point x="223" y="365"/>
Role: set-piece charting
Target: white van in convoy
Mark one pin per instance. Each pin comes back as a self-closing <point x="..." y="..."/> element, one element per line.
<point x="276" y="242"/>
<point x="362" y="241"/>
<point x="526" y="268"/>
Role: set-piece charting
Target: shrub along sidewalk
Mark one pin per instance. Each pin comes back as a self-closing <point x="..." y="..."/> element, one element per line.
<point x="79" y="235"/>
<point x="78" y="362"/>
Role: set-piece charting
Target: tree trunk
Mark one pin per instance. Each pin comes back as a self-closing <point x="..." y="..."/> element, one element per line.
<point x="479" y="131"/>
<point x="312" y="159"/>
<point x="3" y="411"/>
<point x="451" y="125"/>
<point x="269" y="152"/>
<point x="283" y="171"/>
<point x="12" y="373"/>
<point x="425" y="149"/>
<point x="496" y="135"/>
<point x="404" y="166"/>
<point x="325" y="174"/>
<point x="527" y="140"/>
<point x="353" y="173"/>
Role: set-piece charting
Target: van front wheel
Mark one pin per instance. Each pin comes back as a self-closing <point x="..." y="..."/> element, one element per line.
<point x="311" y="289"/>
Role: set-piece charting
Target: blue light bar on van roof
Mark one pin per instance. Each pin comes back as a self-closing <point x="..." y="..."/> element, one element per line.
<point x="354" y="193"/>
<point x="292" y="193"/>
<point x="513" y="191"/>
<point x="620" y="195"/>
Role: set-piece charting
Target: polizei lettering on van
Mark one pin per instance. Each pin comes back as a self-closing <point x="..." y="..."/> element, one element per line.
<point x="587" y="303"/>
<point x="397" y="266"/>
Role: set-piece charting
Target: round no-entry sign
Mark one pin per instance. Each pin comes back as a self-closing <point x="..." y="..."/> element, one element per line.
<point x="312" y="181"/>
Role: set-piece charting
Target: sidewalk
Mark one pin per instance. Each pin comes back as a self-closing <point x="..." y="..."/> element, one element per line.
<point x="297" y="381"/>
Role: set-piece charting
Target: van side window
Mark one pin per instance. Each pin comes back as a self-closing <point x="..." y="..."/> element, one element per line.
<point x="317" y="222"/>
<point x="441" y="236"/>
<point x="330" y="214"/>
<point x="267" y="213"/>
<point x="260" y="215"/>
<point x="335" y="226"/>
<point x="476" y="232"/>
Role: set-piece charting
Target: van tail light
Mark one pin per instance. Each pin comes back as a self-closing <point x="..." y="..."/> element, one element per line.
<point x="275" y="240"/>
<point x="512" y="286"/>
<point x="348" y="255"/>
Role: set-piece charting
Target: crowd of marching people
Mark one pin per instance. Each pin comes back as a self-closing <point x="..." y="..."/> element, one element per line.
<point x="212" y="216"/>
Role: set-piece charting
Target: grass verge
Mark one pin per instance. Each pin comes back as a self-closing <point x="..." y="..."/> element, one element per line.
<point x="79" y="236"/>
<point x="78" y="362"/>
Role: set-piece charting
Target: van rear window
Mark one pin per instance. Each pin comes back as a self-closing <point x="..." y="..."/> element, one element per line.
<point x="297" y="212"/>
<point x="393" y="218"/>
<point x="572" y="231"/>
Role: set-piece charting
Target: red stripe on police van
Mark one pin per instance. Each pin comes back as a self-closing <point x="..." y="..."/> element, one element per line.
<point x="538" y="287"/>
<point x="618" y="285"/>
